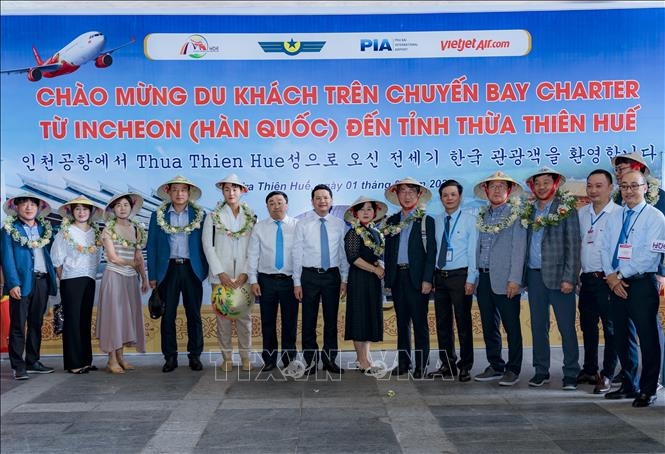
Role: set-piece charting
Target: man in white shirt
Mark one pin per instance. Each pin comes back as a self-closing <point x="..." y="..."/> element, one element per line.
<point x="270" y="270"/>
<point x="320" y="270"/>
<point x="594" y="295"/>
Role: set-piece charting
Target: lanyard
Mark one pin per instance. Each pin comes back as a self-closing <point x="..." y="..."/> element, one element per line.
<point x="623" y="225"/>
<point x="597" y="219"/>
<point x="447" y="234"/>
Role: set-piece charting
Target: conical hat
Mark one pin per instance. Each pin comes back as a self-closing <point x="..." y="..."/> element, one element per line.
<point x="136" y="199"/>
<point x="637" y="157"/>
<point x="10" y="207"/>
<point x="391" y="192"/>
<point x="479" y="190"/>
<point x="194" y="191"/>
<point x="66" y="208"/>
<point x="381" y="210"/>
<point x="545" y="171"/>
<point x="233" y="179"/>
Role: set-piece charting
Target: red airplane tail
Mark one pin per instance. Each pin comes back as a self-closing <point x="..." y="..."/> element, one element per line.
<point x="37" y="57"/>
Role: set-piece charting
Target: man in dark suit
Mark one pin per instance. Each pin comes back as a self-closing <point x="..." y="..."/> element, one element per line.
<point x="29" y="279"/>
<point x="410" y="257"/>
<point x="553" y="268"/>
<point x="177" y="264"/>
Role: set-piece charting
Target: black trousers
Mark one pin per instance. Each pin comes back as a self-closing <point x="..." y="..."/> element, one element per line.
<point x="277" y="293"/>
<point x="594" y="304"/>
<point x="77" y="296"/>
<point x="449" y="299"/>
<point x="410" y="306"/>
<point x="324" y="288"/>
<point x="181" y="279"/>
<point x="26" y="317"/>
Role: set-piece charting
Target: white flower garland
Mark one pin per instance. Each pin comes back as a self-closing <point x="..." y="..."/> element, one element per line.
<point x="250" y="220"/>
<point x="24" y="240"/>
<point x="90" y="249"/>
<point x="392" y="230"/>
<point x="116" y="237"/>
<point x="565" y="209"/>
<point x="515" y="204"/>
<point x="368" y="238"/>
<point x="170" y="229"/>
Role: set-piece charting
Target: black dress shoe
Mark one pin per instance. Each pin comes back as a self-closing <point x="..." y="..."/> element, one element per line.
<point x="170" y="365"/>
<point x="464" y="375"/>
<point x="333" y="368"/>
<point x="583" y="378"/>
<point x="418" y="374"/>
<point x="195" y="364"/>
<point x="399" y="371"/>
<point x="621" y="393"/>
<point x="644" y="400"/>
<point x="603" y="385"/>
<point x="92" y="368"/>
<point x="268" y="367"/>
<point x="443" y="372"/>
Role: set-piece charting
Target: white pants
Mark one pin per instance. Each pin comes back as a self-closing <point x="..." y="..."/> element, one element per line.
<point x="244" y="330"/>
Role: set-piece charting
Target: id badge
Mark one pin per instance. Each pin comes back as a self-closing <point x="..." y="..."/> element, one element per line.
<point x="625" y="251"/>
<point x="590" y="236"/>
<point x="449" y="255"/>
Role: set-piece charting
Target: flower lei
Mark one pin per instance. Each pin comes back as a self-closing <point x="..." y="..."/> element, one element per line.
<point x="515" y="204"/>
<point x="168" y="228"/>
<point x="565" y="209"/>
<point x="115" y="236"/>
<point x="24" y="240"/>
<point x="368" y="239"/>
<point x="90" y="249"/>
<point x="652" y="195"/>
<point x="250" y="220"/>
<point x="392" y="230"/>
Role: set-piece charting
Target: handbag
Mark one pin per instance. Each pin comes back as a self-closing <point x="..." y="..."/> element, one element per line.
<point x="156" y="305"/>
<point x="58" y="318"/>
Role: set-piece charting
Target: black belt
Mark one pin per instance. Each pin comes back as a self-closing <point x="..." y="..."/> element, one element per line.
<point x="484" y="270"/>
<point x="320" y="270"/>
<point x="275" y="276"/>
<point x="596" y="274"/>
<point x="451" y="273"/>
<point x="38" y="275"/>
<point x="535" y="269"/>
<point x="402" y="266"/>
<point x="179" y="261"/>
<point x="637" y="277"/>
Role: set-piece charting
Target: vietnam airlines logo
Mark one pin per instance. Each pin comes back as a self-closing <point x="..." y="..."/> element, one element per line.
<point x="292" y="47"/>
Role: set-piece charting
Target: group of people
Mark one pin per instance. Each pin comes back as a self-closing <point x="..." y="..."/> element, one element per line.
<point x="607" y="251"/>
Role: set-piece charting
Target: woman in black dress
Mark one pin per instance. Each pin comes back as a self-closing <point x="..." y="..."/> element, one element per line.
<point x="364" y="246"/>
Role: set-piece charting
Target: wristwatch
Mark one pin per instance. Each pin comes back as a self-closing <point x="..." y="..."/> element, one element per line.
<point x="619" y="275"/>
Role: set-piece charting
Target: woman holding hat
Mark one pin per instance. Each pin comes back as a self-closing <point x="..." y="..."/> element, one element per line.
<point x="76" y="253"/>
<point x="364" y="246"/>
<point x="120" y="314"/>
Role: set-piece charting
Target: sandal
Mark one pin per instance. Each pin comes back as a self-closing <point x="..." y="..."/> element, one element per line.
<point x="115" y="369"/>
<point x="126" y="366"/>
<point x="82" y="370"/>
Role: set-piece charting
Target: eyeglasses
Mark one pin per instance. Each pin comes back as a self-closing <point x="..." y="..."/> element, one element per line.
<point x="408" y="191"/>
<point x="497" y="186"/>
<point x="632" y="187"/>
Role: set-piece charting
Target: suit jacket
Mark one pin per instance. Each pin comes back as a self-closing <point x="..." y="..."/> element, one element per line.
<point x="421" y="262"/>
<point x="507" y="256"/>
<point x="159" y="249"/>
<point x="18" y="263"/>
<point x="560" y="249"/>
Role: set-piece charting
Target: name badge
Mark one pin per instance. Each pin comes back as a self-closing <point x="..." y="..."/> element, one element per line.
<point x="625" y="251"/>
<point x="449" y="255"/>
<point x="658" y="246"/>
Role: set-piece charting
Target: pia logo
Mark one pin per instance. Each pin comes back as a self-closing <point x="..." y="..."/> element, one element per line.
<point x="195" y="47"/>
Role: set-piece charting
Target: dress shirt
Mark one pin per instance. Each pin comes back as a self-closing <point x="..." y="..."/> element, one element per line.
<point x="307" y="246"/>
<point x="74" y="263"/>
<point x="462" y="239"/>
<point x="492" y="216"/>
<point x="33" y="234"/>
<point x="261" y="251"/>
<point x="403" y="251"/>
<point x="591" y="227"/>
<point x="178" y="241"/>
<point x="645" y="227"/>
<point x="535" y="252"/>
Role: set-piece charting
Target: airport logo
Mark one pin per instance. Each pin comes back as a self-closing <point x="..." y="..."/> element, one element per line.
<point x="291" y="47"/>
<point x="197" y="46"/>
<point x="386" y="44"/>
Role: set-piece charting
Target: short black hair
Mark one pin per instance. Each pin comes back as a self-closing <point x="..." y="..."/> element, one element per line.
<point x="318" y="187"/>
<point x="20" y="200"/>
<point x="358" y="206"/>
<point x="447" y="183"/>
<point x="126" y="197"/>
<point x="274" y="193"/>
<point x="602" y="172"/>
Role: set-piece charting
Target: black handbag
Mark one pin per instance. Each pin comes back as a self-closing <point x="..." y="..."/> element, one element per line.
<point x="156" y="305"/>
<point x="58" y="319"/>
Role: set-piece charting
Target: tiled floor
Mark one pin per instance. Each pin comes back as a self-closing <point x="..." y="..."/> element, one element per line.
<point x="209" y="411"/>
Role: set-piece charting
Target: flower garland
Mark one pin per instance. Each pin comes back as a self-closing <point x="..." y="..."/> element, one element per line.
<point x="565" y="209"/>
<point x="368" y="238"/>
<point x="392" y="230"/>
<point x="24" y="240"/>
<point x="652" y="195"/>
<point x="515" y="204"/>
<point x="115" y="236"/>
<point x="250" y="220"/>
<point x="170" y="229"/>
<point x="91" y="249"/>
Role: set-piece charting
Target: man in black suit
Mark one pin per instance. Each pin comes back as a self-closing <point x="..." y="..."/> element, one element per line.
<point x="410" y="256"/>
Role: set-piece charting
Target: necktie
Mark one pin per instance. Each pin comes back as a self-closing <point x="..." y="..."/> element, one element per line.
<point x="279" y="246"/>
<point x="444" y="245"/>
<point x="622" y="238"/>
<point x="325" y="250"/>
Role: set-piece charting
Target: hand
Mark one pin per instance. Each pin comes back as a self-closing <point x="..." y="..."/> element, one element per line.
<point x="144" y="286"/>
<point x="512" y="289"/>
<point x="226" y="280"/>
<point x="380" y="272"/>
<point x="620" y="289"/>
<point x="661" y="282"/>
<point x="469" y="288"/>
<point x="15" y="293"/>
<point x="426" y="288"/>
<point x="256" y="289"/>
<point x="566" y="287"/>
<point x="611" y="280"/>
<point x="342" y="290"/>
<point x="153" y="284"/>
<point x="297" y="291"/>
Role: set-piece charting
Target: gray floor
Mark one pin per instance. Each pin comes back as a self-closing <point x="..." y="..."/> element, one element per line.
<point x="199" y="412"/>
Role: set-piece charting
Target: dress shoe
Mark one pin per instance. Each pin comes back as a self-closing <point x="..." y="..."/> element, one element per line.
<point x="418" y="374"/>
<point x="195" y="363"/>
<point x="333" y="368"/>
<point x="621" y="393"/>
<point x="443" y="372"/>
<point x="603" y="385"/>
<point x="81" y="371"/>
<point x="170" y="365"/>
<point x="464" y="375"/>
<point x="585" y="378"/>
<point x="644" y="400"/>
<point x="268" y="367"/>
<point x="92" y="368"/>
<point x="399" y="371"/>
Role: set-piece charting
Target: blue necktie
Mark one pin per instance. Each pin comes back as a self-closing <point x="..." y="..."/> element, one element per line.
<point x="444" y="245"/>
<point x="325" y="250"/>
<point x="622" y="238"/>
<point x="279" y="246"/>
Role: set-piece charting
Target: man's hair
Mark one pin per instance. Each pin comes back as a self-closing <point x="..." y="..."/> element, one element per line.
<point x="321" y="186"/>
<point x="448" y="183"/>
<point x="21" y="200"/>
<point x="274" y="193"/>
<point x="608" y="175"/>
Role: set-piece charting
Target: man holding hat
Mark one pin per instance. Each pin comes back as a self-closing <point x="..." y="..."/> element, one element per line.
<point x="226" y="235"/>
<point x="500" y="252"/>
<point x="410" y="257"/>
<point x="29" y="277"/>
<point x="177" y="265"/>
<point x="553" y="268"/>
